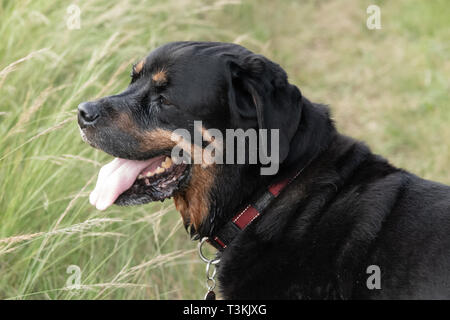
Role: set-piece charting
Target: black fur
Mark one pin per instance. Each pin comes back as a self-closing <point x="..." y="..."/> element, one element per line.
<point x="348" y="209"/>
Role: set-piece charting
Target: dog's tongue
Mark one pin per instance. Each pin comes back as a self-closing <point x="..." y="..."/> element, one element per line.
<point x="114" y="178"/>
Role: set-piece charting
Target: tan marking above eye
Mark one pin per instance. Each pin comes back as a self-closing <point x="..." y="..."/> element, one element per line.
<point x="160" y="77"/>
<point x="139" y="66"/>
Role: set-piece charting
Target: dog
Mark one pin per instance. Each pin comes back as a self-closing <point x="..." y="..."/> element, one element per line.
<point x="331" y="220"/>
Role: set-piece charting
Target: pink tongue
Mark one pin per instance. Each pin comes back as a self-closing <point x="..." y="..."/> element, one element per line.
<point x="113" y="179"/>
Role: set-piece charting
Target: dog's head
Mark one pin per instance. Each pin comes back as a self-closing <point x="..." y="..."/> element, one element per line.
<point x="225" y="86"/>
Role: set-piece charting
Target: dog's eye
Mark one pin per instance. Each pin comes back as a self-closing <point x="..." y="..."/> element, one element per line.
<point x="163" y="100"/>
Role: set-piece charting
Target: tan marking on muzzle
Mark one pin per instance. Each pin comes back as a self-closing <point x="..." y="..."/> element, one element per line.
<point x="124" y="122"/>
<point x="160" y="139"/>
<point x="193" y="203"/>
<point x="156" y="139"/>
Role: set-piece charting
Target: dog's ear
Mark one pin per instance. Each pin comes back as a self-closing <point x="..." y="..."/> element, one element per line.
<point x="260" y="96"/>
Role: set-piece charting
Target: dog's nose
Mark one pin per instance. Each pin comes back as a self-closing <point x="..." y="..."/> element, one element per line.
<point x="88" y="113"/>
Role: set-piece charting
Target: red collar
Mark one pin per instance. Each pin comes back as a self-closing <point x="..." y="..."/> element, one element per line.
<point x="245" y="217"/>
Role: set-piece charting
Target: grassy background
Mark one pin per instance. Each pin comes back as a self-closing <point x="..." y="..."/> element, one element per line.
<point x="388" y="87"/>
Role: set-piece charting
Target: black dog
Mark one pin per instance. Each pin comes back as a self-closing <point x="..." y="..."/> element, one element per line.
<point x="346" y="213"/>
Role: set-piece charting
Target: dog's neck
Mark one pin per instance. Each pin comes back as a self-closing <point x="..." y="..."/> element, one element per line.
<point x="237" y="185"/>
<point x="313" y="136"/>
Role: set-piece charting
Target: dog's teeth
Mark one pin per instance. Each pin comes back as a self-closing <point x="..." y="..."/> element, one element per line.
<point x="150" y="174"/>
<point x="147" y="182"/>
<point x="167" y="163"/>
<point x="159" y="170"/>
<point x="140" y="176"/>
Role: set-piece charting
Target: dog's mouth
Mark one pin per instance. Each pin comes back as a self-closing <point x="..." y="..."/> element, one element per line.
<point x="131" y="182"/>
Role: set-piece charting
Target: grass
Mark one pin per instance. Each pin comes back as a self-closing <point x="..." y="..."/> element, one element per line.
<point x="388" y="87"/>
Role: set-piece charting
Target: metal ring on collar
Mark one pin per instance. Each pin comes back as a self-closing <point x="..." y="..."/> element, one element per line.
<point x="202" y="256"/>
